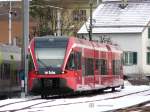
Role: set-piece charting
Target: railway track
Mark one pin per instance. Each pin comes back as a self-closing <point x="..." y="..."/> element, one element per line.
<point x="137" y="108"/>
<point x="17" y="102"/>
<point x="38" y="103"/>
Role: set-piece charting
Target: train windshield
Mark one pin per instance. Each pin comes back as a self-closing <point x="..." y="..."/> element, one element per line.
<point x="50" y="52"/>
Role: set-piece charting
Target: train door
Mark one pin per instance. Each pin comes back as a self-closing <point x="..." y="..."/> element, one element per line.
<point x="96" y="70"/>
<point x="88" y="70"/>
<point x="89" y="73"/>
<point x="104" y="69"/>
<point x="74" y="65"/>
<point x="116" y="68"/>
<point x="97" y="74"/>
<point x="78" y="69"/>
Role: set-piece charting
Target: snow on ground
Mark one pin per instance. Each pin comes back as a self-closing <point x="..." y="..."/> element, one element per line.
<point x="97" y="103"/>
<point x="148" y="105"/>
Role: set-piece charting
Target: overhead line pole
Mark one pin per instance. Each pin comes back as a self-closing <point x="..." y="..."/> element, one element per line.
<point x="10" y="21"/>
<point x="90" y="25"/>
<point x="25" y="42"/>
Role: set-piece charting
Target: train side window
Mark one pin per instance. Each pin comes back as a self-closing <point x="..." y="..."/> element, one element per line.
<point x="74" y="61"/>
<point x="0" y="71"/>
<point x="5" y="67"/>
<point x="31" y="65"/>
<point x="78" y="60"/>
<point x="70" y="63"/>
<point x="103" y="66"/>
<point x="7" y="70"/>
<point x="116" y="66"/>
<point x="89" y="66"/>
<point x="97" y="64"/>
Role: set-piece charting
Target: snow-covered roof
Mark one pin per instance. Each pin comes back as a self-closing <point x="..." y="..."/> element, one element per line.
<point x="109" y="17"/>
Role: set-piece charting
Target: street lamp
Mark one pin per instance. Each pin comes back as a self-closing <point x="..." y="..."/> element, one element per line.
<point x="10" y="28"/>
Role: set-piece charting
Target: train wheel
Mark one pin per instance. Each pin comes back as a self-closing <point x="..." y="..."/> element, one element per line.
<point x="113" y="89"/>
<point x="122" y="86"/>
<point x="43" y="96"/>
<point x="43" y="90"/>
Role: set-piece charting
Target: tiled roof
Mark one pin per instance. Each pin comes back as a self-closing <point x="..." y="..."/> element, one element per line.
<point x="111" y="18"/>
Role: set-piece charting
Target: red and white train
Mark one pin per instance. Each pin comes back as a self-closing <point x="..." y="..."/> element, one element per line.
<point x="68" y="64"/>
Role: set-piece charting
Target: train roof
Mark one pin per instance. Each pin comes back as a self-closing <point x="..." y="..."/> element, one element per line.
<point x="51" y="37"/>
<point x="82" y="43"/>
<point x="9" y="52"/>
<point x="9" y="48"/>
<point x="99" y="45"/>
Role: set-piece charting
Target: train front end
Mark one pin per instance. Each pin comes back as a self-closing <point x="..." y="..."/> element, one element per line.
<point x="47" y="61"/>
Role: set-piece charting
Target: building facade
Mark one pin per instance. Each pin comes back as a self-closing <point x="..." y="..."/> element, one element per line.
<point x="70" y="15"/>
<point x="16" y="22"/>
<point x="73" y="14"/>
<point x="125" y="24"/>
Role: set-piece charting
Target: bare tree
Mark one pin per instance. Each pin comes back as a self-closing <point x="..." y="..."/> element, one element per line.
<point x="72" y="20"/>
<point x="44" y="17"/>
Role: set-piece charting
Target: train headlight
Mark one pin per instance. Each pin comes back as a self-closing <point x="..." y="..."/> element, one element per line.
<point x="36" y="72"/>
<point x="46" y="72"/>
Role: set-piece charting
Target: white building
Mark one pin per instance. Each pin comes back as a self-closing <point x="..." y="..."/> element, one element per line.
<point x="125" y="24"/>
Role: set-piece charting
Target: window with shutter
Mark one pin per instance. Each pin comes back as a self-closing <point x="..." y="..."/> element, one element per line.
<point x="148" y="58"/>
<point x="134" y="57"/>
<point x="148" y="33"/>
<point x="130" y="58"/>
